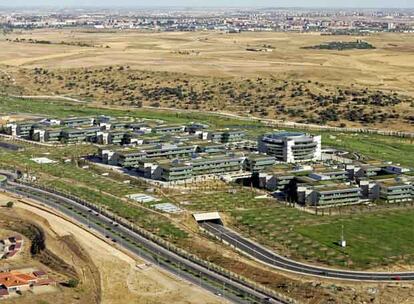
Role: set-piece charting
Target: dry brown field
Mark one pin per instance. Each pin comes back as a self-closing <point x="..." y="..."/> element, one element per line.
<point x="204" y="61"/>
<point x="390" y="66"/>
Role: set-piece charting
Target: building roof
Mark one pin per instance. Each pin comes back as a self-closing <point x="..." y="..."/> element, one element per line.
<point x="332" y="187"/>
<point x="283" y="135"/>
<point x="15" y="279"/>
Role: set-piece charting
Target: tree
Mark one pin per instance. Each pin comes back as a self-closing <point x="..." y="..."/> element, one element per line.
<point x="9" y="204"/>
<point x="73" y="283"/>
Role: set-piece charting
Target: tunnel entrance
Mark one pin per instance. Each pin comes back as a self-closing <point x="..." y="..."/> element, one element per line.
<point x="208" y="217"/>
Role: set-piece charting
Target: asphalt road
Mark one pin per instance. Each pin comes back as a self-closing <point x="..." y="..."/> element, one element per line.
<point x="214" y="282"/>
<point x="277" y="261"/>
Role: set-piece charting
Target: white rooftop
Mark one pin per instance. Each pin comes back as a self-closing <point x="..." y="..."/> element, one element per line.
<point x="43" y="160"/>
<point x="208" y="216"/>
<point x="167" y="207"/>
<point x="142" y="198"/>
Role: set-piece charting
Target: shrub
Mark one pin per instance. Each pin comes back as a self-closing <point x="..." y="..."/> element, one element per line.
<point x="73" y="283"/>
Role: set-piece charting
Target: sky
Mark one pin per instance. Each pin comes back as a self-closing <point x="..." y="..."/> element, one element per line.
<point x="215" y="3"/>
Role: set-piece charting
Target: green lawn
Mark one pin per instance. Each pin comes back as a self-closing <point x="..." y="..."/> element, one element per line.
<point x="61" y="109"/>
<point x="397" y="150"/>
<point x="381" y="237"/>
<point x="373" y="239"/>
<point x="223" y="200"/>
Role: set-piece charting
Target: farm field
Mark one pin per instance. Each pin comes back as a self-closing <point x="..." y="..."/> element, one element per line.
<point x="369" y="88"/>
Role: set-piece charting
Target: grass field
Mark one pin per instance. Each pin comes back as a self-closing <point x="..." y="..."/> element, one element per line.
<point x="374" y="239"/>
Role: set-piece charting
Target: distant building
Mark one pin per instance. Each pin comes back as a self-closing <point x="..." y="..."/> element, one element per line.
<point x="169" y="129"/>
<point x="77" y="122"/>
<point x="291" y="147"/>
<point x="226" y="136"/>
<point x="21" y="129"/>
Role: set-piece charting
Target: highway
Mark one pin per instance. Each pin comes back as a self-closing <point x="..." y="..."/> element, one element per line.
<point x="119" y="233"/>
<point x="275" y="260"/>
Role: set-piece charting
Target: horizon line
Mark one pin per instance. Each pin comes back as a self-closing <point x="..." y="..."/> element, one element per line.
<point x="198" y="7"/>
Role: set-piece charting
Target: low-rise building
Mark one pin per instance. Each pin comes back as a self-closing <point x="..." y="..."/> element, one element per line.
<point x="111" y="137"/>
<point x="169" y="151"/>
<point x="225" y="136"/>
<point x="329" y="175"/>
<point x="216" y="165"/>
<point x="168" y="129"/>
<point x="75" y="122"/>
<point x="186" y="169"/>
<point x="329" y="195"/>
<point x="18" y="281"/>
<point x="394" y="169"/>
<point x="258" y="162"/>
<point x="393" y="191"/>
<point x="126" y="158"/>
<point x="21" y="129"/>
<point x="194" y="127"/>
<point x="175" y="171"/>
<point x="210" y="147"/>
<point x="367" y="170"/>
<point x="73" y="135"/>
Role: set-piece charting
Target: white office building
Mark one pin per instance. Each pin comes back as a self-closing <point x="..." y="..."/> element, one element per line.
<point x="291" y="147"/>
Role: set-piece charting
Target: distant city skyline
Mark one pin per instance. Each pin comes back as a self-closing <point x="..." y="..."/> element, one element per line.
<point x="213" y="3"/>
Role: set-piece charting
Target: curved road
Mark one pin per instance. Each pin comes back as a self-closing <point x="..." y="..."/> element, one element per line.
<point x="277" y="261"/>
<point x="236" y="292"/>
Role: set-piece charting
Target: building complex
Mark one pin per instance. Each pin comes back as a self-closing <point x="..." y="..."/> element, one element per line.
<point x="290" y="165"/>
